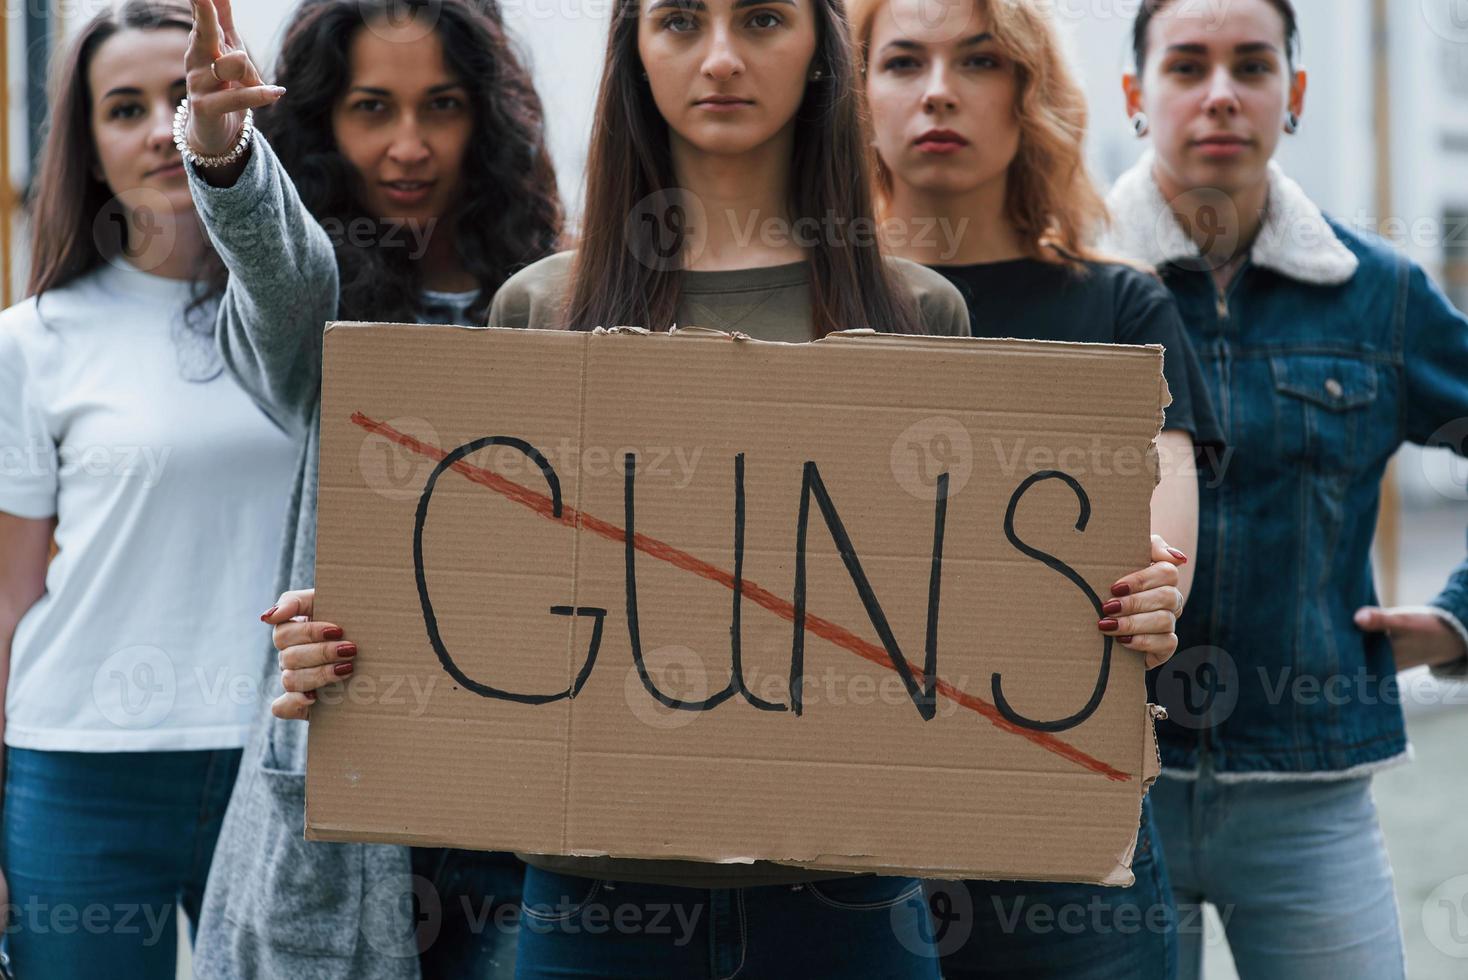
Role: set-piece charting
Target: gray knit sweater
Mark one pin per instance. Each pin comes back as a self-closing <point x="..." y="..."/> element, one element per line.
<point x="278" y="906"/>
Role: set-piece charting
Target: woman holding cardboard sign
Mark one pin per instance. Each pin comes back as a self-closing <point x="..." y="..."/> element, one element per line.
<point x="980" y="126"/>
<point x="713" y="115"/>
<point x="121" y="435"/>
<point x="412" y="178"/>
<point x="1326" y="350"/>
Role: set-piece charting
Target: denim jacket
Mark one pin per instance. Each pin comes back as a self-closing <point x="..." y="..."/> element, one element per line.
<point x="1326" y="352"/>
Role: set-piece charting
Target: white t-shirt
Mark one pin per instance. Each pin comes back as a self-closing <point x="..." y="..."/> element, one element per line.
<point x="170" y="496"/>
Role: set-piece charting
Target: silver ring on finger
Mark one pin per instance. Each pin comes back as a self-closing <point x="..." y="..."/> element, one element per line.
<point x="214" y="70"/>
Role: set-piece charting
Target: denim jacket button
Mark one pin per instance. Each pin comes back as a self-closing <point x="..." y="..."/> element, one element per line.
<point x="1333" y="388"/>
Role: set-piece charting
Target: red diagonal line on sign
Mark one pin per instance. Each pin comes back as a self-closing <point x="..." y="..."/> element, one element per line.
<point x="824" y="628"/>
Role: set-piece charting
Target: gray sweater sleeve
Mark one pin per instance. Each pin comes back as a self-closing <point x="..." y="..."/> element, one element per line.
<point x="283" y="285"/>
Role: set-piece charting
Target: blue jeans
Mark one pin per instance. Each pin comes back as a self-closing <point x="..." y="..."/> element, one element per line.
<point x="100" y="849"/>
<point x="862" y="926"/>
<point x="468" y="915"/>
<point x="1029" y="931"/>
<point x="1297" y="870"/>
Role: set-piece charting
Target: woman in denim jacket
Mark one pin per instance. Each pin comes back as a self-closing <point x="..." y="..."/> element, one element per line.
<point x="1324" y="351"/>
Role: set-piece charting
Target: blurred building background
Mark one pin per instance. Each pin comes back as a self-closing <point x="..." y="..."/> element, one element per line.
<point x="1384" y="146"/>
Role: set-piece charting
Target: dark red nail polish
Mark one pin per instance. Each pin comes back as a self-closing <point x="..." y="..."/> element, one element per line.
<point x="1112" y="607"/>
<point x="1182" y="558"/>
<point x="347" y="650"/>
<point x="1125" y="639"/>
<point x="342" y="670"/>
<point x="1121" y="589"/>
<point x="1107" y="625"/>
<point x="265" y="616"/>
<point x="310" y="695"/>
<point x="332" y="633"/>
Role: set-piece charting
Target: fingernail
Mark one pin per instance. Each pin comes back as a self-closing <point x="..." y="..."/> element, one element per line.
<point x="1182" y="558"/>
<point x="332" y="633"/>
<point x="342" y="670"/>
<point x="1124" y="639"/>
<point x="1112" y="607"/>
<point x="1107" y="625"/>
<point x="265" y="616"/>
<point x="347" y="650"/>
<point x="310" y="695"/>
<point x="1121" y="589"/>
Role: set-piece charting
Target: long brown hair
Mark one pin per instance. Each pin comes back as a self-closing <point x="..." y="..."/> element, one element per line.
<point x="67" y="197"/>
<point x="630" y="160"/>
<point x="1050" y="198"/>
<point x="510" y="213"/>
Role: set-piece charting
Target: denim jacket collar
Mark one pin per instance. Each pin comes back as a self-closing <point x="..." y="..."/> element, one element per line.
<point x="1296" y="240"/>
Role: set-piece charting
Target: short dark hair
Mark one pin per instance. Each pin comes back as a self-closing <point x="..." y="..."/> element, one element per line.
<point x="1150" y="9"/>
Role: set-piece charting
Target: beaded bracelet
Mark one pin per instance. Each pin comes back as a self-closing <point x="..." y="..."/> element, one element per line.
<point x="180" y="124"/>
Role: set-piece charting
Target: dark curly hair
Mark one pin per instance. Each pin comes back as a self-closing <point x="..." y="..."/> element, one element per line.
<point x="511" y="213"/>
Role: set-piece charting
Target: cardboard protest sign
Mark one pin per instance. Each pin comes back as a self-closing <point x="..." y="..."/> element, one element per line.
<point x="696" y="596"/>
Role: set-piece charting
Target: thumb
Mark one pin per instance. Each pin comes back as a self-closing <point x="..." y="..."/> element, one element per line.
<point x="1373" y="619"/>
<point x="1161" y="551"/>
<point x="289" y="606"/>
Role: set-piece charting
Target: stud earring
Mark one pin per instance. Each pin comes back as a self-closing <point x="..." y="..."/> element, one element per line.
<point x="1292" y="124"/>
<point x="1140" y="124"/>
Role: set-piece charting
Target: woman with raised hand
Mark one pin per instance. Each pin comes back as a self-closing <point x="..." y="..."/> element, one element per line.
<point x="1325" y="350"/>
<point x="400" y="173"/>
<point x="980" y="129"/>
<point x="129" y="689"/>
<point x="739" y="114"/>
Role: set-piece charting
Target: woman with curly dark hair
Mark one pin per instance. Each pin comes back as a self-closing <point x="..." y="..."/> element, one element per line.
<point x="400" y="174"/>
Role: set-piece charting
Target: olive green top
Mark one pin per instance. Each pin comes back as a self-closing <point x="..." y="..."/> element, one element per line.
<point x="769" y="303"/>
